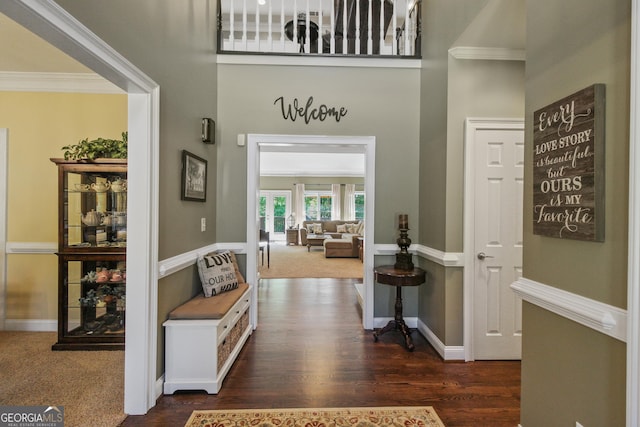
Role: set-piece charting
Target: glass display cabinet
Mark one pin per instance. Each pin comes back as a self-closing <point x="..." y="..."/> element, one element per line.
<point x="92" y="246"/>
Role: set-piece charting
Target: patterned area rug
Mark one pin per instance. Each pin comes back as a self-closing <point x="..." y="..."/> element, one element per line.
<point x="417" y="416"/>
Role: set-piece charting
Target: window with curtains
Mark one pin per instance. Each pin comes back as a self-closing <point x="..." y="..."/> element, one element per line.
<point x="359" y="202"/>
<point x="317" y="205"/>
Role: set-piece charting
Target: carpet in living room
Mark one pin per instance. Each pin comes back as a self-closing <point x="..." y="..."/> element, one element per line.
<point x="297" y="262"/>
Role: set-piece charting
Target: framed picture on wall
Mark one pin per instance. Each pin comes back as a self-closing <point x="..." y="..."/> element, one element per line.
<point x="194" y="177"/>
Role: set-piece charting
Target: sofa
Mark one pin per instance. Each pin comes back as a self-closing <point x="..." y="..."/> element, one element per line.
<point x="344" y="241"/>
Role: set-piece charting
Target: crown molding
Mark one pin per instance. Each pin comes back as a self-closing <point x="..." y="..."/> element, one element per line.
<point x="12" y="81"/>
<point x="488" y="53"/>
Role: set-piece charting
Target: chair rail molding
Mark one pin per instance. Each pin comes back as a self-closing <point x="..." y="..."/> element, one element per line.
<point x="604" y="318"/>
<point x="447" y="259"/>
<point x="169" y="266"/>
<point x="31" y="247"/>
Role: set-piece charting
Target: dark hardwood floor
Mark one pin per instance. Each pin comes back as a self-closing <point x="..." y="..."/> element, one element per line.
<point x="310" y="350"/>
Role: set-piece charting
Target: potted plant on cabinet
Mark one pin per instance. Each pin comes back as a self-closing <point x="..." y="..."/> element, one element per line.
<point x="97" y="148"/>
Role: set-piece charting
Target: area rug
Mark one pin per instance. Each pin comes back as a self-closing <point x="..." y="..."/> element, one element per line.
<point x="297" y="262"/>
<point x="416" y="416"/>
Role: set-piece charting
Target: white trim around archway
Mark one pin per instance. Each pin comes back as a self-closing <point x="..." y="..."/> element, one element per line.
<point x="633" y="263"/>
<point x="58" y="27"/>
<point x="360" y="144"/>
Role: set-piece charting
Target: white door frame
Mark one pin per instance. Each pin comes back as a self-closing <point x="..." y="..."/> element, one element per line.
<point x="471" y="126"/>
<point x="4" y="168"/>
<point x="633" y="267"/>
<point x="362" y="144"/>
<point x="58" y="27"/>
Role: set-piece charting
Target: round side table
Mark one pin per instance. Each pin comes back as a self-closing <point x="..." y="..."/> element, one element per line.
<point x="389" y="275"/>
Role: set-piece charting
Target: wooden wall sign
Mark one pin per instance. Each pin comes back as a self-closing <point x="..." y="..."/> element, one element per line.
<point x="568" y="167"/>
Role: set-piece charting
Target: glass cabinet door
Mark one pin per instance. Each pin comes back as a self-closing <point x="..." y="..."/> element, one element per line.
<point x="94" y="296"/>
<point x="95" y="210"/>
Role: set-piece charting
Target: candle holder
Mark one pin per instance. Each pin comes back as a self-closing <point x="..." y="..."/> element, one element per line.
<point x="404" y="258"/>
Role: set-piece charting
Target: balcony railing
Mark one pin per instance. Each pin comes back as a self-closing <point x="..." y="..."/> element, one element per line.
<point x="320" y="27"/>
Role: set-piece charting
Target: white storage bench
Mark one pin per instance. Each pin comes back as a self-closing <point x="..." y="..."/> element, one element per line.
<point x="203" y="338"/>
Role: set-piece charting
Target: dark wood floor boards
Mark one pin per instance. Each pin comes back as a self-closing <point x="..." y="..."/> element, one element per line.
<point x="310" y="350"/>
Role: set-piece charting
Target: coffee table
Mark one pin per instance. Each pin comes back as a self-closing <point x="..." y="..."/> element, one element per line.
<point x="316" y="240"/>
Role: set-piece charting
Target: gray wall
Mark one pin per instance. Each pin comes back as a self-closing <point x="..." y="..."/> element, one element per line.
<point x="380" y="102"/>
<point x="571" y="373"/>
<point x="174" y="44"/>
<point x="452" y="91"/>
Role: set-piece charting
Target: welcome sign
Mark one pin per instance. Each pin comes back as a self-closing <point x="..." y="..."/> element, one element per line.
<point x="568" y="167"/>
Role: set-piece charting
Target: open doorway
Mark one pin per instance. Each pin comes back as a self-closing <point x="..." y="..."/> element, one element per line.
<point x="52" y="23"/>
<point x="364" y="146"/>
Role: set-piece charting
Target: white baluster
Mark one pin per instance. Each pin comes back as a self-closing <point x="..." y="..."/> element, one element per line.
<point x="232" y="25"/>
<point x="244" y="25"/>
<point x="307" y="35"/>
<point x="370" y="30"/>
<point x="394" y="19"/>
<point x="295" y="22"/>
<point x="270" y="30"/>
<point x="332" y="39"/>
<point x="357" y="27"/>
<point x="257" y="37"/>
<point x="407" y="26"/>
<point x="345" y="19"/>
<point x="282" y="36"/>
<point x="320" y="18"/>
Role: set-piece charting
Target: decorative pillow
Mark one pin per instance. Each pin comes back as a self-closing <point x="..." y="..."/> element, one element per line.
<point x="239" y="275"/>
<point x="217" y="273"/>
<point x="361" y="229"/>
<point x="341" y="228"/>
<point x="314" y="228"/>
<point x="352" y="228"/>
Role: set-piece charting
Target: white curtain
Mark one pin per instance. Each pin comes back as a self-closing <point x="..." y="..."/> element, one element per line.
<point x="349" y="202"/>
<point x="336" y="211"/>
<point x="298" y="211"/>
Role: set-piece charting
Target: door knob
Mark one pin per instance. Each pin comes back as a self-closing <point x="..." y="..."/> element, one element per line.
<point x="482" y="255"/>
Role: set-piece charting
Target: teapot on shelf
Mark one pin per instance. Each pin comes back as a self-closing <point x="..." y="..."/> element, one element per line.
<point x="119" y="185"/>
<point x="92" y="218"/>
<point x="107" y="220"/>
<point x="101" y="187"/>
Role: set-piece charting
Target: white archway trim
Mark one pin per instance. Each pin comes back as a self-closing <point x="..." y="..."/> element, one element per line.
<point x="4" y="163"/>
<point x="363" y="144"/>
<point x="633" y="266"/>
<point x="54" y="24"/>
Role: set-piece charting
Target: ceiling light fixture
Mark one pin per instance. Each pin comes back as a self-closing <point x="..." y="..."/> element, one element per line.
<point x="262" y="2"/>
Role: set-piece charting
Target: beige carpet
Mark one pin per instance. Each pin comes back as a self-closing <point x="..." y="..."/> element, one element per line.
<point x="295" y="262"/>
<point x="88" y="384"/>
<point x="421" y="416"/>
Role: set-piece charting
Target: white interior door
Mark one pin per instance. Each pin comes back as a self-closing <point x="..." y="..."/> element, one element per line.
<point x="275" y="207"/>
<point x="497" y="311"/>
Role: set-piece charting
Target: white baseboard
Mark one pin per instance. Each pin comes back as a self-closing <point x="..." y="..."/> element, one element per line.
<point x="31" y="325"/>
<point x="446" y="352"/>
<point x="159" y="387"/>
